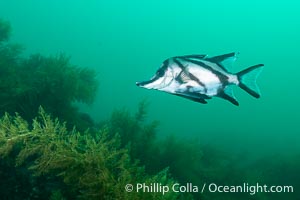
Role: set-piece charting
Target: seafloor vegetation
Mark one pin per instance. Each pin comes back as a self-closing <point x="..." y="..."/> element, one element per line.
<point x="50" y="150"/>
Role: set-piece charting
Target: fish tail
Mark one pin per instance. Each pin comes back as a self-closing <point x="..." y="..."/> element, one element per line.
<point x="247" y="79"/>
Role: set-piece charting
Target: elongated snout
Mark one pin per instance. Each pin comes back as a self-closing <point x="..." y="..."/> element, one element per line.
<point x="143" y="83"/>
<point x="151" y="84"/>
<point x="138" y="83"/>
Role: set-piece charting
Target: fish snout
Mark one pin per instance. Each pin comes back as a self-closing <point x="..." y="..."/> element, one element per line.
<point x="154" y="83"/>
<point x="144" y="84"/>
<point x="140" y="84"/>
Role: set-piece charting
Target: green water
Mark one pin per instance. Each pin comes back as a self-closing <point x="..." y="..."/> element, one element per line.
<point x="126" y="41"/>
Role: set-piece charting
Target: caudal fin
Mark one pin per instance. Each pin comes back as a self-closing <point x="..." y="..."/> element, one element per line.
<point x="247" y="79"/>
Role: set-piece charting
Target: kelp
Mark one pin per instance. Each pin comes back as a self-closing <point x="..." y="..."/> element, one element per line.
<point x="87" y="167"/>
<point x="136" y="133"/>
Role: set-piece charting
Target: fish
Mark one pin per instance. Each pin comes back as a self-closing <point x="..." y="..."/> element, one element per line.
<point x="200" y="77"/>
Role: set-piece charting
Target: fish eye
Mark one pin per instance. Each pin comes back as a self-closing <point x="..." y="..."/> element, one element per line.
<point x="160" y="72"/>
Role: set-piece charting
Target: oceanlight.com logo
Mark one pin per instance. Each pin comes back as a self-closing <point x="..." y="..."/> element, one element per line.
<point x="251" y="189"/>
<point x="212" y="188"/>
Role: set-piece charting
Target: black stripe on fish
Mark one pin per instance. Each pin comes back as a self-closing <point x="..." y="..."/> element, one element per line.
<point x="223" y="78"/>
<point x="194" y="78"/>
<point x="179" y="63"/>
<point x="191" y="76"/>
<point x="180" y="77"/>
<point x="166" y="63"/>
<point x="161" y="71"/>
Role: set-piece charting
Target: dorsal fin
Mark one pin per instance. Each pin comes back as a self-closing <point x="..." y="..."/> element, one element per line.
<point x="195" y="56"/>
<point x="226" y="60"/>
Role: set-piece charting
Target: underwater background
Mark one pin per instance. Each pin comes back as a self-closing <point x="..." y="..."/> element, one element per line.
<point x="79" y="61"/>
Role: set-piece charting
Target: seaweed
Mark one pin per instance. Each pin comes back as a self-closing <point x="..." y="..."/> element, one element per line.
<point x="136" y="133"/>
<point x="85" y="166"/>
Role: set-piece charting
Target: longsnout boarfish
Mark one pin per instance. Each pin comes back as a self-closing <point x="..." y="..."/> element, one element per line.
<point x="199" y="78"/>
